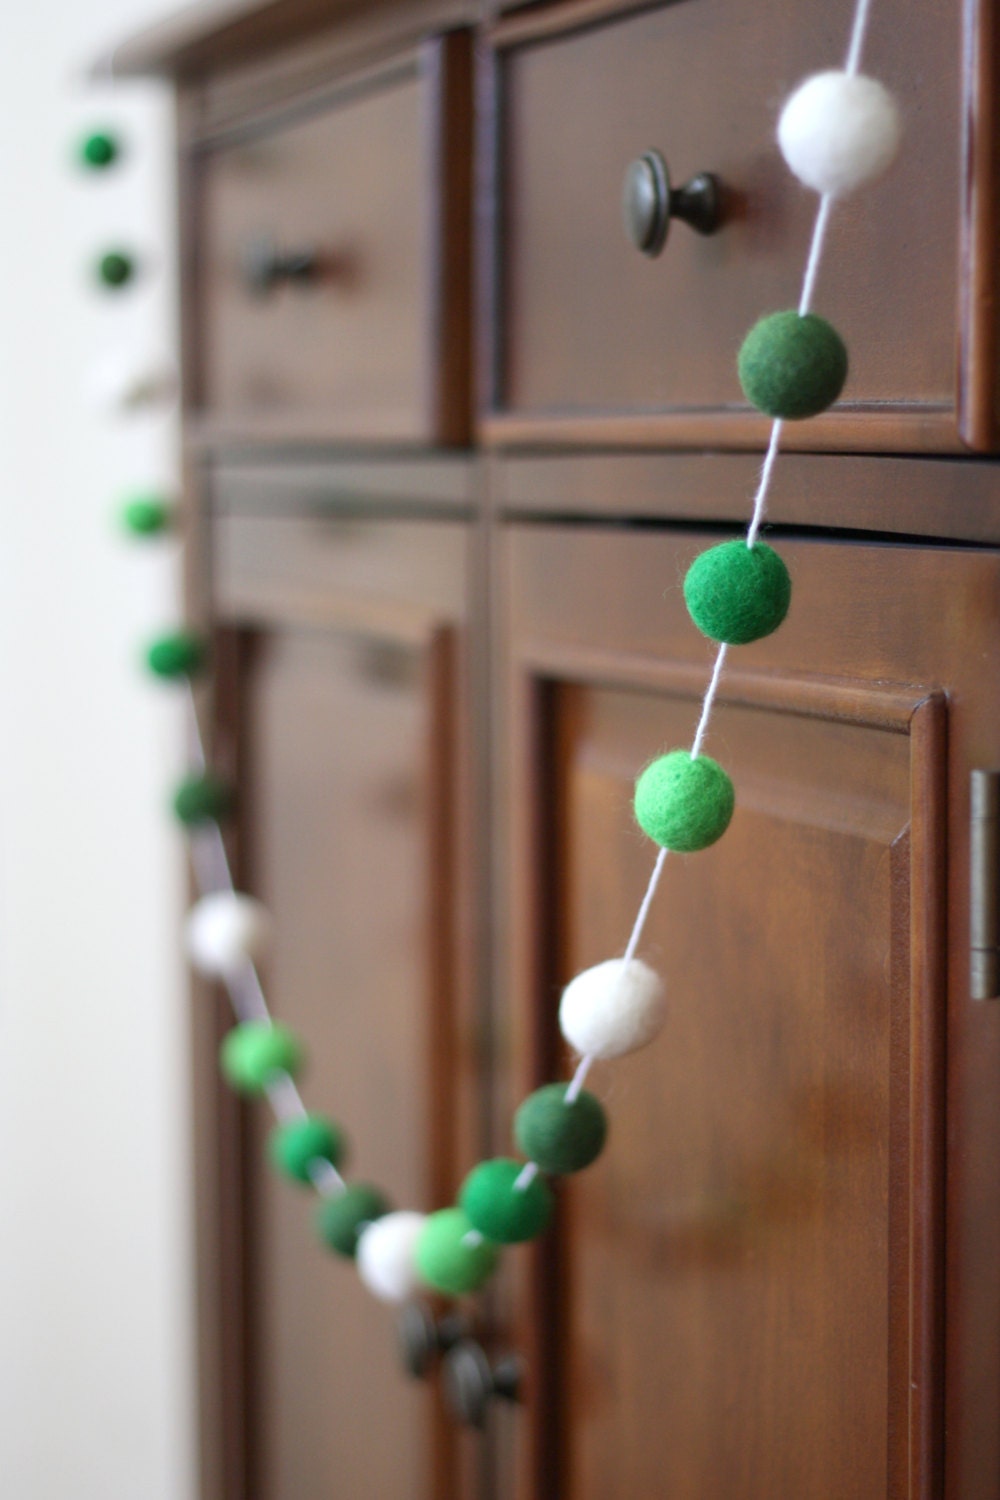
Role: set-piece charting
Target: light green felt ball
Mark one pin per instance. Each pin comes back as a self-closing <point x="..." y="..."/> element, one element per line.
<point x="561" y="1137"/>
<point x="253" y="1052"/>
<point x="792" y="366"/>
<point x="99" y="150"/>
<point x="684" y="804"/>
<point x="294" y="1145"/>
<point x="340" y="1220"/>
<point x="737" y="594"/>
<point x="500" y="1210"/>
<point x="115" y="269"/>
<point x="146" y="515"/>
<point x="181" y="653"/>
<point x="203" y="799"/>
<point x="445" y="1259"/>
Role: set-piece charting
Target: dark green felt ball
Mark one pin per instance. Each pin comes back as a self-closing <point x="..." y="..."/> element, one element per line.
<point x="737" y="594"/>
<point x="253" y="1052"/>
<point x="792" y="366"/>
<point x="115" y="269"/>
<point x="500" y="1210"/>
<point x="683" y="803"/>
<point x="180" y="653"/>
<point x="294" y="1145"/>
<point x="340" y="1220"/>
<point x="447" y="1260"/>
<point x="561" y="1137"/>
<point x="146" y="515"/>
<point x="206" y="798"/>
<point x="99" y="149"/>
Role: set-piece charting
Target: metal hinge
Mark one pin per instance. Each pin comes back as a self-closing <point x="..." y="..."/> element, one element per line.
<point x="984" y="906"/>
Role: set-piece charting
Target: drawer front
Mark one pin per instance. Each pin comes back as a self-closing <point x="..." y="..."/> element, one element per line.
<point x="593" y="329"/>
<point x="367" y="343"/>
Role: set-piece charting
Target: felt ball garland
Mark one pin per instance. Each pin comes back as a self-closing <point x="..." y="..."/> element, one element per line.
<point x="99" y="150"/>
<point x="684" y="802"/>
<point x="837" y="131"/>
<point x="386" y="1256"/>
<point x="224" y="931"/>
<point x="115" y="269"/>
<point x="738" y="594"/>
<point x="340" y="1220"/>
<point x="294" y="1145"/>
<point x="451" y="1256"/>
<point x="205" y="798"/>
<point x="498" y="1208"/>
<point x="255" y="1051"/>
<point x="179" y="654"/>
<point x="561" y="1135"/>
<point x="146" y="515"/>
<point x="792" y="365"/>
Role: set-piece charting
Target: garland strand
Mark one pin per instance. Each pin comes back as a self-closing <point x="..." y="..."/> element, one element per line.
<point x="838" y="131"/>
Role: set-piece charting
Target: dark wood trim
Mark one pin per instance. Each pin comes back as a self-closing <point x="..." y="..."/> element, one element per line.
<point x="877" y="428"/>
<point x="927" y="1125"/>
<point x="447" y="61"/>
<point x="954" y="498"/>
<point x="489" y="261"/>
<point x="979" y="313"/>
<point x="222" y="33"/>
<point x="538" y="22"/>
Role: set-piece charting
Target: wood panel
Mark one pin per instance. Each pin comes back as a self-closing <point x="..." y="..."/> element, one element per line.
<point x="746" y="1295"/>
<point x="595" y="333"/>
<point x="357" y="808"/>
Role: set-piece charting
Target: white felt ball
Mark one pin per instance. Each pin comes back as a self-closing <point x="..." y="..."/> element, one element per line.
<point x="612" y="1008"/>
<point x="224" y="930"/>
<point x="385" y="1256"/>
<point x="839" y="130"/>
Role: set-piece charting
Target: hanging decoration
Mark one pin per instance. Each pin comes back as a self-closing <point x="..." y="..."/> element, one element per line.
<point x="838" y="131"/>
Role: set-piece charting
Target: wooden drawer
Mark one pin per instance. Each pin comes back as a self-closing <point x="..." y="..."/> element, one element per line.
<point x="598" y="340"/>
<point x="373" y="181"/>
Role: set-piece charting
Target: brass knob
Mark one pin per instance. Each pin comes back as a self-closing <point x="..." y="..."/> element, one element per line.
<point x="471" y="1382"/>
<point x="650" y="203"/>
<point x="422" y="1338"/>
<point x="265" y="266"/>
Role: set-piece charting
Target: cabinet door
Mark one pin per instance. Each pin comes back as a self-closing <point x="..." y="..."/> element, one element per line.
<point x="745" y="1295"/>
<point x="354" y="695"/>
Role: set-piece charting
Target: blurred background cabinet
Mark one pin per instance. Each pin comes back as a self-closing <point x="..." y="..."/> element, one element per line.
<point x="440" y="539"/>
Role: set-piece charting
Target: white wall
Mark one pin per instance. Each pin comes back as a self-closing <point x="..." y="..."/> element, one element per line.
<point x="96" y="1389"/>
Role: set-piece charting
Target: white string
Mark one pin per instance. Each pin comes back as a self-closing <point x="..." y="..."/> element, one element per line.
<point x="857" y="36"/>
<point x="815" y="253"/>
<point x="708" y="703"/>
<point x="212" y="873"/>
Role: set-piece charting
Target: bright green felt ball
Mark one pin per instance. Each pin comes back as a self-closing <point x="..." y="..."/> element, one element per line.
<point x="735" y="593"/>
<point x="444" y="1259"/>
<point x="792" y="366"/>
<point x="203" y="799"/>
<point x="253" y="1052"/>
<point x="684" y="804"/>
<point x="561" y="1137"/>
<point x="146" y="515"/>
<point x="179" y="654"/>
<point x="340" y="1220"/>
<point x="295" y="1144"/>
<point x="501" y="1211"/>
<point x="99" y="150"/>
<point x="116" y="269"/>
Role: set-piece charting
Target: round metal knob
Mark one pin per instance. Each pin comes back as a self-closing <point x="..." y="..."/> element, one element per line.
<point x="471" y="1382"/>
<point x="422" y="1338"/>
<point x="649" y="203"/>
<point x="265" y="266"/>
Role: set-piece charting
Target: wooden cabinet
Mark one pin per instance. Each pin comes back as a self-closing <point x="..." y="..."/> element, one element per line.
<point x="447" y="646"/>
